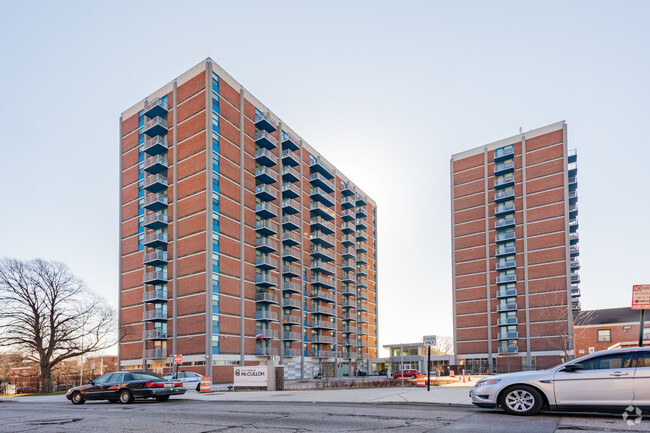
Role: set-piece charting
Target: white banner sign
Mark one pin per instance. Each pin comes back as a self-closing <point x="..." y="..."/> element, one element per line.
<point x="251" y="376"/>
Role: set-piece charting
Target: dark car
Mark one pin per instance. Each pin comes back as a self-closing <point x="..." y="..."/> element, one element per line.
<point x="125" y="386"/>
<point x="26" y="390"/>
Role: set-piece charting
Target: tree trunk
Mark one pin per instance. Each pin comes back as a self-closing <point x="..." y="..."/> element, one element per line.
<point x="46" y="379"/>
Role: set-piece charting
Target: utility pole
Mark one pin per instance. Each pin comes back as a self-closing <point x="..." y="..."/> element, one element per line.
<point x="401" y="351"/>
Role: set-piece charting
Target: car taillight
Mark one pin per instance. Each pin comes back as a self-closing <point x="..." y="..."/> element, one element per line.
<point x="152" y="384"/>
<point x="178" y="384"/>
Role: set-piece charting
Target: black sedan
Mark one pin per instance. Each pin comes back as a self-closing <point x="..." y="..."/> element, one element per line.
<point x="125" y="386"/>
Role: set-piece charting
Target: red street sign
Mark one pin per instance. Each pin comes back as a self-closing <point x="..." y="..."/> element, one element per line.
<point x="641" y="297"/>
<point x="178" y="358"/>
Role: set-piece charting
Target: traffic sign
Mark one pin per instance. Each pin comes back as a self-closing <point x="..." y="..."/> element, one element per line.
<point x="178" y="358"/>
<point x="641" y="297"/>
<point x="429" y="340"/>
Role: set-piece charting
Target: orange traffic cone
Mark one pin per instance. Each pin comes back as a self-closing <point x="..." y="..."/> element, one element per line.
<point x="463" y="379"/>
<point x="469" y="378"/>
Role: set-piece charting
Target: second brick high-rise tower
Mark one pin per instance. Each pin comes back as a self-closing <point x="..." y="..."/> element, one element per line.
<point x="238" y="241"/>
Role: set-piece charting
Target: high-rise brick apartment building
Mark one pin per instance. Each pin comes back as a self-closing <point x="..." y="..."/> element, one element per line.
<point x="515" y="251"/>
<point x="239" y="242"/>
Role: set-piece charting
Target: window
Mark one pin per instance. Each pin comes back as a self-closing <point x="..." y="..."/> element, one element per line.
<point x="604" y="335"/>
<point x="643" y="359"/>
<point x="621" y="360"/>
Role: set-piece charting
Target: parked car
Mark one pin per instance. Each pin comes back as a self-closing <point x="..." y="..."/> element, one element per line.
<point x="362" y="373"/>
<point x="605" y="380"/>
<point x="189" y="379"/>
<point x="125" y="386"/>
<point x="406" y="373"/>
<point x="26" y="390"/>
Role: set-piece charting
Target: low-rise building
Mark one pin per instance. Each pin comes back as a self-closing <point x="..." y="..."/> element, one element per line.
<point x="609" y="328"/>
<point x="414" y="356"/>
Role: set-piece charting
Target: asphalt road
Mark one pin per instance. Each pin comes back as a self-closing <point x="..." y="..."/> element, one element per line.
<point x="192" y="416"/>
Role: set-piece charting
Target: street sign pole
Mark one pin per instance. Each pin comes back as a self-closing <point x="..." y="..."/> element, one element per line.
<point x="429" y="369"/>
<point x="641" y="327"/>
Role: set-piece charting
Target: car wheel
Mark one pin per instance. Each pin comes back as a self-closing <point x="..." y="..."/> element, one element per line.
<point x="77" y="398"/>
<point x="162" y="398"/>
<point x="198" y="387"/>
<point x="521" y="400"/>
<point x="412" y="376"/>
<point x="125" y="396"/>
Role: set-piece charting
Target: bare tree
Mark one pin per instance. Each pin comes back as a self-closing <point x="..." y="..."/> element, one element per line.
<point x="557" y="314"/>
<point x="444" y="345"/>
<point x="50" y="315"/>
<point x="8" y="361"/>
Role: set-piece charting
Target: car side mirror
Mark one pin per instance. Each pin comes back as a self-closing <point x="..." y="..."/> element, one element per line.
<point x="91" y="382"/>
<point x="571" y="368"/>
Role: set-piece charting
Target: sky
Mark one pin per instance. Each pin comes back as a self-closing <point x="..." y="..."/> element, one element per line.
<point x="386" y="91"/>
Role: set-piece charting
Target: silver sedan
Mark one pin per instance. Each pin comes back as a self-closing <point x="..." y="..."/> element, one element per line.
<point x="606" y="380"/>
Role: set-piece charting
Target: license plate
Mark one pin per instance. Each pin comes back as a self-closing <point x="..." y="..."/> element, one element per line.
<point x="169" y="385"/>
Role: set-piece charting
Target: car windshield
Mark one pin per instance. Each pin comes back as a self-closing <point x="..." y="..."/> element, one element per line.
<point x="146" y="376"/>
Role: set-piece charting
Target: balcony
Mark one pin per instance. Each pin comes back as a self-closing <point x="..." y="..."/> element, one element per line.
<point x="348" y="265"/>
<point x="323" y="295"/>
<point x="155" y="126"/>
<point x="266" y="316"/>
<point x="155" y="221"/>
<point x="319" y="165"/>
<point x="266" y="351"/>
<point x="322" y="224"/>
<point x="266" y="175"/>
<point x="155" y="277"/>
<point x="290" y="157"/>
<point x="318" y="179"/>
<point x="575" y="277"/>
<point x="348" y="315"/>
<point x="291" y="319"/>
<point x="319" y="309"/>
<point x="361" y="224"/>
<point x="504" y="208"/>
<point x="506" y="264"/>
<point x="362" y="259"/>
<point x="348" y="215"/>
<point x="574" y="262"/>
<point x="507" y="321"/>
<point x="265" y="262"/>
<point x="507" y="180"/>
<point x="510" y="278"/>
<point x="266" y="210"/>
<point x="291" y="353"/>
<point x="155" y="258"/>
<point x="267" y="334"/>
<point x="323" y="354"/>
<point x="154" y="315"/>
<point x="346" y="342"/>
<point x="290" y="174"/>
<point x="157" y="295"/>
<point x="506" y="307"/>
<point x="266" y="280"/>
<point x="362" y="200"/>
<point x="575" y="290"/>
<point x="290" y="287"/>
<point x="155" y="183"/>
<point x="266" y="227"/>
<point x="348" y="277"/>
<point x="362" y="306"/>
<point x="504" y="194"/>
<point x="573" y="237"/>
<point x="154" y="353"/>
<point x="348" y="202"/>
<point x="348" y="227"/>
<point x="155" y="202"/>
<point x="290" y="222"/>
<point x="574" y="249"/>
<point x="508" y="221"/>
<point x="504" y="250"/>
<point x="322" y="324"/>
<point x="265" y="157"/>
<point x="362" y="235"/>
<point x="362" y="283"/>
<point x="323" y="253"/>
<point x="291" y="271"/>
<point x="266" y="298"/>
<point x="505" y="236"/>
<point x="289" y="190"/>
<point x="349" y="329"/>
<point x="348" y="304"/>
<point x="155" y="108"/>
<point x="504" y="167"/>
<point x="291" y="303"/>
<point x="363" y="318"/>
<point x="361" y="212"/>
<point x="154" y="334"/>
<point x="504" y="153"/>
<point x="323" y="339"/>
<point x="362" y="271"/>
<point x="290" y="239"/>
<point x="155" y="145"/>
<point x="573" y="194"/>
<point x="292" y="336"/>
<point x="290" y="254"/>
<point x="572" y="167"/>
<point x="155" y="164"/>
<point x="321" y="195"/>
<point x="347" y="189"/>
<point x="266" y="245"/>
<point x="155" y="240"/>
<point x="323" y="267"/>
<point x="320" y="209"/>
<point x="362" y="295"/>
<point x="320" y="238"/>
<point x="290" y="206"/>
<point x="266" y="192"/>
<point x="361" y="247"/>
<point x="289" y="142"/>
<point x="348" y="252"/>
<point x="506" y="293"/>
<point x="264" y="122"/>
<point x="323" y="281"/>
<point x="508" y="350"/>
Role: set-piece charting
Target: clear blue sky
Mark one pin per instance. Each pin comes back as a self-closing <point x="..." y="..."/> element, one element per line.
<point x="399" y="85"/>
